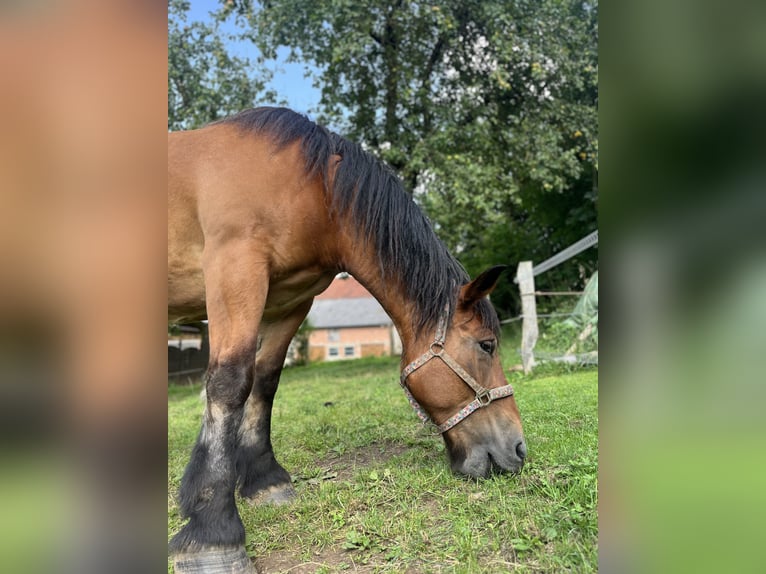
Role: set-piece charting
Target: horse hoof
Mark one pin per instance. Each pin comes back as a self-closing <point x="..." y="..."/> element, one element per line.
<point x="231" y="560"/>
<point x="276" y="495"/>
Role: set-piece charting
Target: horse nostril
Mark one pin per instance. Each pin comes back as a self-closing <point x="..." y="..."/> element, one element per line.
<point x="521" y="449"/>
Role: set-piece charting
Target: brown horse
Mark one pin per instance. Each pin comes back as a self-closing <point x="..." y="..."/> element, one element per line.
<point x="264" y="209"/>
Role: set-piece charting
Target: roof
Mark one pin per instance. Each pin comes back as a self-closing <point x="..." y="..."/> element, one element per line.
<point x="344" y="287"/>
<point x="355" y="312"/>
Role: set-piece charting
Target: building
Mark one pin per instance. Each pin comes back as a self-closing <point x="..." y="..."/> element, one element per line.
<point x="348" y="323"/>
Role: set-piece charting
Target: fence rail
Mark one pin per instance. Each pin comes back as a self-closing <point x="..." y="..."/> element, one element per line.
<point x="525" y="278"/>
<point x="578" y="247"/>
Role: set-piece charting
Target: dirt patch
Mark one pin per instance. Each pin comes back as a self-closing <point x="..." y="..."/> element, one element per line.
<point x="349" y="462"/>
<point x="341" y="467"/>
<point x="328" y="560"/>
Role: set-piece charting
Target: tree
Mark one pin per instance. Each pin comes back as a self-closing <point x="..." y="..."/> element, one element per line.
<point x="299" y="353"/>
<point x="205" y="82"/>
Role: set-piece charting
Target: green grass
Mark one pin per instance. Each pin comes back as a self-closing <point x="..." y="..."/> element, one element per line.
<point x="375" y="490"/>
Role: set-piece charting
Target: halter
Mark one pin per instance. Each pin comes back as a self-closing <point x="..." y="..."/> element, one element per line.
<point x="483" y="396"/>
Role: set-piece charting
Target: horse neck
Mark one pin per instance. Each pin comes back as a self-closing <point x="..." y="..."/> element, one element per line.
<point x="364" y="265"/>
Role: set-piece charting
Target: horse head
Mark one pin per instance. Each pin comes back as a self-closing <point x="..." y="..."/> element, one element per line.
<point x="459" y="384"/>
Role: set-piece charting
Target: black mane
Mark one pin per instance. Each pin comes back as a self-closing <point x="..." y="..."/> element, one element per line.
<point x="372" y="196"/>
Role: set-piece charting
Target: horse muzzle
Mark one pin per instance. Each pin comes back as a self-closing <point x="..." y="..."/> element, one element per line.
<point x="492" y="457"/>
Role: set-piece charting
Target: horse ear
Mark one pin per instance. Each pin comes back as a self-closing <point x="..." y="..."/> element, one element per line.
<point x="480" y="287"/>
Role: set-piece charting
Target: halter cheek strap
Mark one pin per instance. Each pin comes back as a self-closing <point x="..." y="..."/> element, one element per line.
<point x="436" y="350"/>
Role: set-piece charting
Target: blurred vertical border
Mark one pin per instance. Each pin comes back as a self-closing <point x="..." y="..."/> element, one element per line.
<point x="82" y="239"/>
<point x="683" y="221"/>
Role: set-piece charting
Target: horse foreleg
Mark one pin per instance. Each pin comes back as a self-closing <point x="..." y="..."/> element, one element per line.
<point x="261" y="478"/>
<point x="213" y="539"/>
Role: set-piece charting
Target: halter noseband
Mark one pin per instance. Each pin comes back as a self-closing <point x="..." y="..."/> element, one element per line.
<point x="483" y="396"/>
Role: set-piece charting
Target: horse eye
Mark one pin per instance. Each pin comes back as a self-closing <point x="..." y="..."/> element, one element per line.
<point x="487" y="346"/>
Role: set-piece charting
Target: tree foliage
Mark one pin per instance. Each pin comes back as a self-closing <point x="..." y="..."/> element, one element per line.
<point x="205" y="82"/>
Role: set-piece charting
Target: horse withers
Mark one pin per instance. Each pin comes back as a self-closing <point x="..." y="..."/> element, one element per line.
<point x="264" y="209"/>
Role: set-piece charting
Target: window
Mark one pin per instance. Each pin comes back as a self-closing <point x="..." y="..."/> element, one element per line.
<point x="332" y="351"/>
<point x="333" y="335"/>
<point x="348" y="351"/>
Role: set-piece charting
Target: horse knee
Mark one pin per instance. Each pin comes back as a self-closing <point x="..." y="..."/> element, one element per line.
<point x="229" y="384"/>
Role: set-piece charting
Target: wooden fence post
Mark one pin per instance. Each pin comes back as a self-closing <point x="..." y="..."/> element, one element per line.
<point x="529" y="330"/>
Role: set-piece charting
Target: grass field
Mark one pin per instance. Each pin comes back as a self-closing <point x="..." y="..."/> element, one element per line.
<point x="375" y="490"/>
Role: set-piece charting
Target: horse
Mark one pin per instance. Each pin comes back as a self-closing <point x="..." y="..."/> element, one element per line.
<point x="265" y="208"/>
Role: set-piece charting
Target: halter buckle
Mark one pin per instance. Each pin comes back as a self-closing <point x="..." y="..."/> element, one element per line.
<point x="484" y="397"/>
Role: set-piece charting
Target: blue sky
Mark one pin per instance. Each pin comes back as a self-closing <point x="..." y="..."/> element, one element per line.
<point x="288" y="80"/>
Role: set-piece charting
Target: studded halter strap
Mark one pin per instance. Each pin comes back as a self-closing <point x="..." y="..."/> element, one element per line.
<point x="436" y="350"/>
